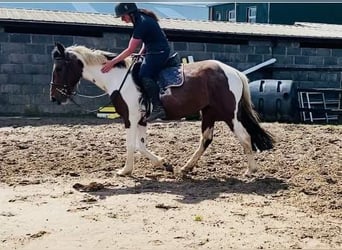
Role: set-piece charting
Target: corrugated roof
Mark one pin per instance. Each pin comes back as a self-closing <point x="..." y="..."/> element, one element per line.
<point x="183" y="10"/>
<point x="300" y="30"/>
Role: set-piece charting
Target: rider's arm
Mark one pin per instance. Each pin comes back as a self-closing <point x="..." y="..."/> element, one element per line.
<point x="142" y="50"/>
<point x="132" y="46"/>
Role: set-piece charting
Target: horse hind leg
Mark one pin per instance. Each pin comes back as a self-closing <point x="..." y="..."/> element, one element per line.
<point x="206" y="139"/>
<point x="245" y="140"/>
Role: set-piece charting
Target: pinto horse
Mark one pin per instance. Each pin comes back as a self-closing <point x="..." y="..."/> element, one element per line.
<point x="216" y="90"/>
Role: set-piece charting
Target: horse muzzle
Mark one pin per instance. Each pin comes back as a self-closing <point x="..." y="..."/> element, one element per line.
<point x="59" y="93"/>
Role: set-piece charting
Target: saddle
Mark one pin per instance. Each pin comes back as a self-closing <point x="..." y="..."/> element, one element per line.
<point x="172" y="75"/>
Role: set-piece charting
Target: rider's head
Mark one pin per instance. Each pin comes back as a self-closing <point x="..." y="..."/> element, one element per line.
<point x="125" y="9"/>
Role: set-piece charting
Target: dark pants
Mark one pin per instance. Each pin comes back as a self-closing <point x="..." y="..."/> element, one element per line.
<point x="152" y="64"/>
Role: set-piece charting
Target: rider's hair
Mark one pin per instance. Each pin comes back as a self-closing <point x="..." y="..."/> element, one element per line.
<point x="145" y="12"/>
<point x="149" y="13"/>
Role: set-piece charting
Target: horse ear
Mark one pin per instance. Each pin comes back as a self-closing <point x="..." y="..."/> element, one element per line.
<point x="60" y="47"/>
<point x="59" y="50"/>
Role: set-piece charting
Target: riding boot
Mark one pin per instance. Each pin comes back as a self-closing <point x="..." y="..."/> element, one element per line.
<point x="152" y="90"/>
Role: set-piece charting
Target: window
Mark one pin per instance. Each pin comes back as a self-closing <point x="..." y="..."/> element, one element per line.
<point x="251" y="14"/>
<point x="218" y="16"/>
<point x="231" y="16"/>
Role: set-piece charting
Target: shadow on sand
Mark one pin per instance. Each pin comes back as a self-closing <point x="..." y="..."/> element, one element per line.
<point x="194" y="191"/>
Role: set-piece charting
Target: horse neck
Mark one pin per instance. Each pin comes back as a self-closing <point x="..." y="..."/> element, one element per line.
<point x="109" y="81"/>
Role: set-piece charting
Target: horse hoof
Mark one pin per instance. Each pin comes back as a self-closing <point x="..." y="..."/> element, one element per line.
<point x="160" y="162"/>
<point x="168" y="167"/>
<point x="183" y="173"/>
<point x="186" y="170"/>
<point x="249" y="173"/>
<point x="123" y="172"/>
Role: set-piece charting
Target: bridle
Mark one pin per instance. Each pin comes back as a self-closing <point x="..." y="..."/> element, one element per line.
<point x="62" y="88"/>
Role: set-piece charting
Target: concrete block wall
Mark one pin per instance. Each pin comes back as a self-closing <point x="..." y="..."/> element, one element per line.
<point x="308" y="67"/>
<point x="26" y="65"/>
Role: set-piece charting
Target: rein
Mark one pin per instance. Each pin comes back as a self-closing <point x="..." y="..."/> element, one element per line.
<point x="87" y="110"/>
<point x="91" y="97"/>
<point x="70" y="97"/>
<point x="135" y="59"/>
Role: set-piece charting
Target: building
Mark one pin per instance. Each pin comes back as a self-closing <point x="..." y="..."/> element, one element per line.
<point x="277" y="13"/>
<point x="309" y="54"/>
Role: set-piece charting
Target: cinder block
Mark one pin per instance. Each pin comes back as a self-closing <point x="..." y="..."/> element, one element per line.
<point x="9" y="48"/>
<point x="213" y="47"/>
<point x="330" y="61"/>
<point x="41" y="38"/>
<point x="36" y="69"/>
<point x="66" y="40"/>
<point x="180" y="46"/>
<point x="301" y="60"/>
<point x="231" y="48"/>
<point x="4" y="37"/>
<point x="16" y="58"/>
<point x="10" y="88"/>
<point x="316" y="60"/>
<point x="20" y="79"/>
<point x="11" y="69"/>
<point x="263" y="50"/>
<point x="279" y="50"/>
<point x="36" y="49"/>
<point x="20" y="38"/>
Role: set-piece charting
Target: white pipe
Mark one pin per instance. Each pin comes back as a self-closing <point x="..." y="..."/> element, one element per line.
<point x="259" y="66"/>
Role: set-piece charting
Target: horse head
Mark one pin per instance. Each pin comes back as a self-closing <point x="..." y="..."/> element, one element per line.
<point x="66" y="74"/>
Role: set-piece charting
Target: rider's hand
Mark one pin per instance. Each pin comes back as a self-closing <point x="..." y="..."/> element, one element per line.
<point x="107" y="66"/>
<point x="136" y="56"/>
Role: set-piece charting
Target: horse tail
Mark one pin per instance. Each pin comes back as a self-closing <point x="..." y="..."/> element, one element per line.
<point x="260" y="138"/>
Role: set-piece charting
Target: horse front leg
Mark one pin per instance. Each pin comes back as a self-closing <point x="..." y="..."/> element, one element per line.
<point x="130" y="147"/>
<point x="206" y="139"/>
<point x="141" y="142"/>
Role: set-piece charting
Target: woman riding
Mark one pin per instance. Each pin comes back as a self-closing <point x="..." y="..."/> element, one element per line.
<point x="148" y="35"/>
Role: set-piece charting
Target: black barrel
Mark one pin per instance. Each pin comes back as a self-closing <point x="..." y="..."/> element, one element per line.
<point x="275" y="100"/>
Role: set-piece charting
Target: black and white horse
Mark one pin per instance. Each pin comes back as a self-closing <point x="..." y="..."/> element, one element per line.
<point x="218" y="91"/>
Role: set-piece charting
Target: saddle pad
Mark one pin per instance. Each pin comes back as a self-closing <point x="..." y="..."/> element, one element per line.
<point x="171" y="77"/>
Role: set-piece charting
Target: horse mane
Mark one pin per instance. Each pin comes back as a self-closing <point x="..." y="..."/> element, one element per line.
<point x="95" y="57"/>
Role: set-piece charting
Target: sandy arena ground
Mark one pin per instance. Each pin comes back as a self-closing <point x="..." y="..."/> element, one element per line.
<point x="58" y="188"/>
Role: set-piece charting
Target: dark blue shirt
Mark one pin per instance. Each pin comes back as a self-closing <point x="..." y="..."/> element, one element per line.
<point x="148" y="30"/>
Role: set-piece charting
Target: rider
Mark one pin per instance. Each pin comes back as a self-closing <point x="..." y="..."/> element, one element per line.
<point x="154" y="45"/>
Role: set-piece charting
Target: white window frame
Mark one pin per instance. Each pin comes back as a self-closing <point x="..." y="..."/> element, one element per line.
<point x="231" y="15"/>
<point x="218" y="16"/>
<point x="251" y="14"/>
